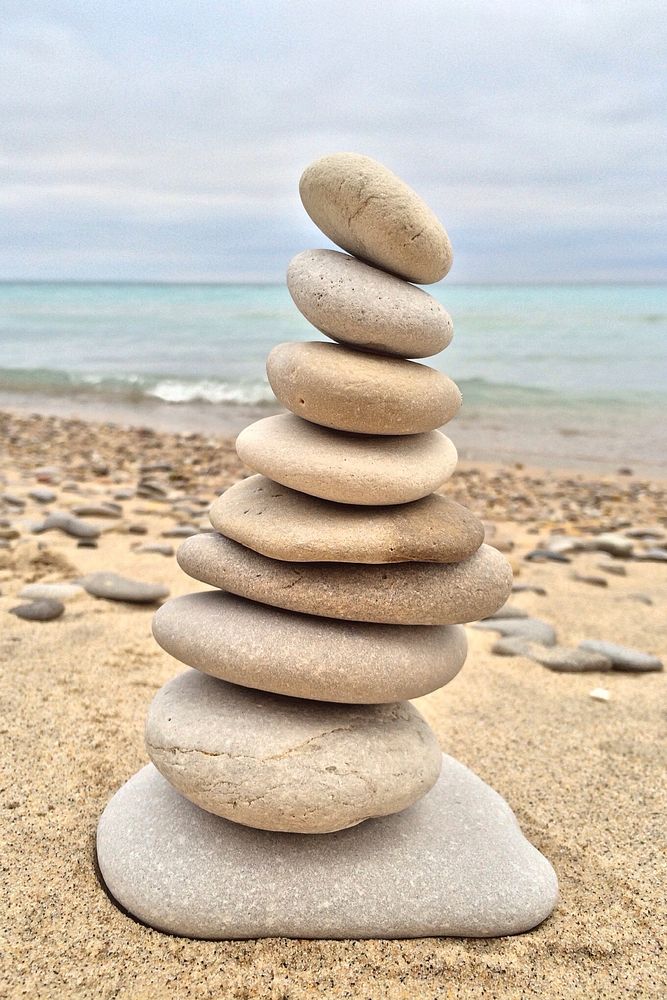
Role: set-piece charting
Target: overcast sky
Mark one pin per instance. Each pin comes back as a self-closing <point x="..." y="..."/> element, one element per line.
<point x="164" y="140"/>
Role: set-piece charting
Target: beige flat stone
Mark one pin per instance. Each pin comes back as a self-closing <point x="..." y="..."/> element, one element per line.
<point x="348" y="390"/>
<point x="370" y="212"/>
<point x="305" y="656"/>
<point x="347" y="468"/>
<point x="285" y="524"/>
<point x="362" y="306"/>
<point x="285" y="764"/>
<point x="402" y="594"/>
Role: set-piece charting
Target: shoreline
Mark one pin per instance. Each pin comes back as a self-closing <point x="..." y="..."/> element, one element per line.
<point x="597" y="441"/>
<point x="580" y="498"/>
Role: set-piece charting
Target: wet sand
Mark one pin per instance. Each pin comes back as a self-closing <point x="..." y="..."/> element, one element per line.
<point x="585" y="778"/>
<point x="589" y="439"/>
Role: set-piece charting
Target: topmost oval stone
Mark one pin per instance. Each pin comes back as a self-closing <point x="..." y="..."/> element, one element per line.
<point x="370" y="212"/>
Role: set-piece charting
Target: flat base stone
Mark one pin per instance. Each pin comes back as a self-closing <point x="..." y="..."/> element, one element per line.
<point x="454" y="864"/>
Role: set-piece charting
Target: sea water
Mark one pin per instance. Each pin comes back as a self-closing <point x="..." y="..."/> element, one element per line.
<point x="181" y="343"/>
<point x="570" y="350"/>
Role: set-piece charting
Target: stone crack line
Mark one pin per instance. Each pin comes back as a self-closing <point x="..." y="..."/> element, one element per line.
<point x="365" y="203"/>
<point x="260" y="760"/>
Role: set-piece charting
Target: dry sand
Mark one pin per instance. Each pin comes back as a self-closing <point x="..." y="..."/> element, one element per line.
<point x="585" y="778"/>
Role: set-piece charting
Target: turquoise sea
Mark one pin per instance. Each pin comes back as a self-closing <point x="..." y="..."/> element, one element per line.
<point x="566" y="354"/>
<point x="181" y="343"/>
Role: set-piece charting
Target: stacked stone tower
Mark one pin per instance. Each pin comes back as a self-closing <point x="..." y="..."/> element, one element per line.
<point x="294" y="790"/>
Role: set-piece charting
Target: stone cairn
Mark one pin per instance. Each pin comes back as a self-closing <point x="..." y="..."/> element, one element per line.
<point x="342" y="581"/>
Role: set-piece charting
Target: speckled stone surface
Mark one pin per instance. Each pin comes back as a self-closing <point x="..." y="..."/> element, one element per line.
<point x="360" y="305"/>
<point x="367" y="210"/>
<point x="284" y="524"/>
<point x="349" y="390"/>
<point x="306" y="656"/>
<point x="286" y="764"/>
<point x="347" y="468"/>
<point x="398" y="594"/>
<point x="455" y="863"/>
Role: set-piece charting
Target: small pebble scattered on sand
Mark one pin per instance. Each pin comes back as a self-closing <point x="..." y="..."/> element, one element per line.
<point x="590" y="579"/>
<point x="113" y="587"/>
<point x="155" y="549"/>
<point x="98" y="510"/>
<point x="546" y="555"/>
<point x="573" y="661"/>
<point x="623" y="657"/>
<point x="529" y="629"/>
<point x="54" y="591"/>
<point x="42" y="495"/>
<point x="615" y="568"/>
<point x="43" y="609"/>
<point x="70" y="524"/>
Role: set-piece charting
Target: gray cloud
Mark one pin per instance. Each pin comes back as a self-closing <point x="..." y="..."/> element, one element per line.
<point x="165" y="140"/>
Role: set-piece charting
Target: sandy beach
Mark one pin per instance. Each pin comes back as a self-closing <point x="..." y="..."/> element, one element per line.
<point x="585" y="777"/>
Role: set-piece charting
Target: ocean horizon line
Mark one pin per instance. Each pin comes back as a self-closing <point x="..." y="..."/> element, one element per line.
<point x="224" y="283"/>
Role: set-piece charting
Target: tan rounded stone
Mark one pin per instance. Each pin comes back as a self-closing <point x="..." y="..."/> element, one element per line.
<point x="285" y="524"/>
<point x="360" y="305"/>
<point x="285" y="764"/>
<point x="348" y="390"/>
<point x="401" y="594"/>
<point x="305" y="656"/>
<point x="347" y="468"/>
<point x="367" y="210"/>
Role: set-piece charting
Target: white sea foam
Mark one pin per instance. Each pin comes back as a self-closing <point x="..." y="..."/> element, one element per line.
<point x="208" y="391"/>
